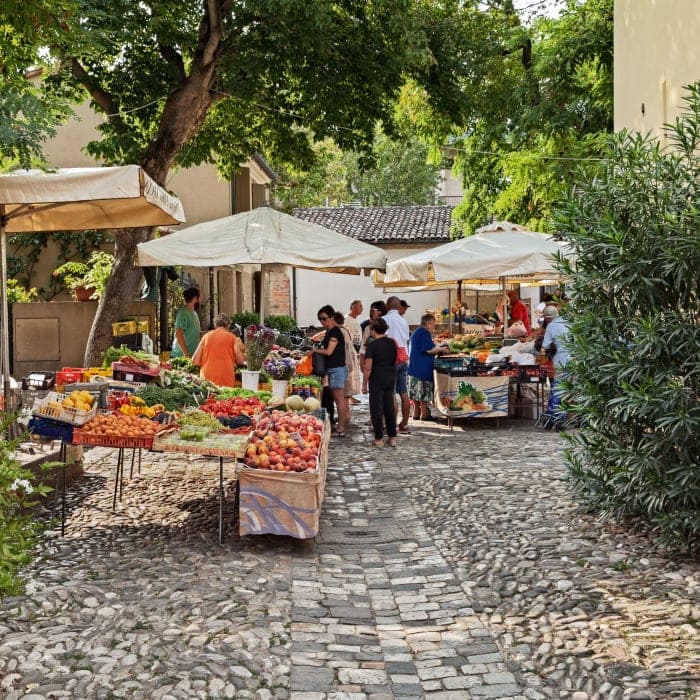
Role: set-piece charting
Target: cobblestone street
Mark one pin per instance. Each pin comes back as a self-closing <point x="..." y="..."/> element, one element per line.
<point x="454" y="566"/>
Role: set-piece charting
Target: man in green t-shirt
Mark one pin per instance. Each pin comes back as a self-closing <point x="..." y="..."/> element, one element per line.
<point x="187" y="329"/>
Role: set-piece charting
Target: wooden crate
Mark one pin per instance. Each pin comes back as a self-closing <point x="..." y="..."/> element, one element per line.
<point x="283" y="503"/>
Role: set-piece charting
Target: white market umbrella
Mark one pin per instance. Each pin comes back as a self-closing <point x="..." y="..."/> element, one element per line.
<point x="262" y="236"/>
<point x="75" y="199"/>
<point x="495" y="251"/>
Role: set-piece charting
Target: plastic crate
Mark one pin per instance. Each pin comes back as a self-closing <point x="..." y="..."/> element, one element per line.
<point x="43" y="427"/>
<point x="80" y="437"/>
<point x="51" y="407"/>
<point x="91" y="372"/>
<point x="69" y="375"/>
<point x="123" y="328"/>
<point x="39" y="380"/>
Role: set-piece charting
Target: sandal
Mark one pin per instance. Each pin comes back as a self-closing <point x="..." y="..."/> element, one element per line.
<point x="392" y="442"/>
<point x="338" y="434"/>
<point x="404" y="430"/>
<point x="379" y="443"/>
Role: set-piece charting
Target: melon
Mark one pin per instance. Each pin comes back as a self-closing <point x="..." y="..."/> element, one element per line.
<point x="295" y="403"/>
<point x="312" y="404"/>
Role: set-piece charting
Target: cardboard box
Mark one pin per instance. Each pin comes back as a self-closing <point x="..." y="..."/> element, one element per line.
<point x="283" y="503"/>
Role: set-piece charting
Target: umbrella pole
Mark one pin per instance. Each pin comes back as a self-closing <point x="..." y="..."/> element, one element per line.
<point x="505" y="309"/>
<point x="459" y="308"/>
<point x="262" y="294"/>
<point x="5" y="317"/>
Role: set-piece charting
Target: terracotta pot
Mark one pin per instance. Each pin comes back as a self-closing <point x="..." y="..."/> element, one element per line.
<point x="83" y="293"/>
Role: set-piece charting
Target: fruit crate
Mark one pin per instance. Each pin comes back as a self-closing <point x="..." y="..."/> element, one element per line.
<point x="43" y="381"/>
<point x="80" y="437"/>
<point x="53" y="408"/>
<point x="69" y="375"/>
<point x="283" y="503"/>
<point x="124" y="328"/>
<point x="43" y="427"/>
<point x="91" y="372"/>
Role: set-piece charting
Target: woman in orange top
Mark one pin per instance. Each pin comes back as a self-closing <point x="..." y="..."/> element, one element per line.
<point x="218" y="353"/>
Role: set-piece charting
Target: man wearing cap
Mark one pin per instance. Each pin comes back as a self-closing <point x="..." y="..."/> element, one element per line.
<point x="403" y="305"/>
<point x="554" y="345"/>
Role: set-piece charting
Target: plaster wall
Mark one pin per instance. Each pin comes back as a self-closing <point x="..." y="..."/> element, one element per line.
<point x="657" y="52"/>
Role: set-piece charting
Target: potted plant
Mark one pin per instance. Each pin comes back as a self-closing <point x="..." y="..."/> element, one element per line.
<point x="281" y="369"/>
<point x="87" y="280"/>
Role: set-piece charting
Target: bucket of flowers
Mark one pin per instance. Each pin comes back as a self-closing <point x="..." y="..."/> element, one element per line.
<point x="281" y="370"/>
<point x="258" y="343"/>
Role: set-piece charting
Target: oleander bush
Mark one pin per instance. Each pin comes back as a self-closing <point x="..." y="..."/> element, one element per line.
<point x="634" y="223"/>
<point x="19" y="529"/>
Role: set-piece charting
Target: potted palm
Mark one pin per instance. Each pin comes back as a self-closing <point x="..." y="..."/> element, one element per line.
<point x="87" y="280"/>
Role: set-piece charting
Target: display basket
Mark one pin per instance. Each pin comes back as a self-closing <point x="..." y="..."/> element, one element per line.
<point x="43" y="427"/>
<point x="51" y="407"/>
<point x="215" y="445"/>
<point x="123" y="371"/>
<point x="91" y="372"/>
<point x="80" y="437"/>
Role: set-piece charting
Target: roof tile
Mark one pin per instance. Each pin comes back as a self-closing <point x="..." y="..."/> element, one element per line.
<point x="381" y="225"/>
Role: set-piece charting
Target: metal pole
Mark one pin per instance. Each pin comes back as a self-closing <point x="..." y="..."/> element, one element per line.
<point x="221" y="501"/>
<point x="459" y="310"/>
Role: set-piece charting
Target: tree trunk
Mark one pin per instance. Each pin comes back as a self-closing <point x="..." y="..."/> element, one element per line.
<point x="118" y="294"/>
<point x="183" y="116"/>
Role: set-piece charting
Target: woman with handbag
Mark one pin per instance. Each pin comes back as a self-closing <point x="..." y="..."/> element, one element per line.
<point x="333" y="349"/>
<point x="379" y="371"/>
<point x="352" y="382"/>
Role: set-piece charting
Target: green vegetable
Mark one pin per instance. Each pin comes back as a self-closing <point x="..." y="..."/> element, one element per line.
<point x="172" y="398"/>
<point x="200" y="419"/>
<point x="185" y="364"/>
<point x="113" y="354"/>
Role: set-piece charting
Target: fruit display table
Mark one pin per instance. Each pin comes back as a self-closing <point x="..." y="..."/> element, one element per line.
<point x="280" y="502"/>
<point x="460" y="396"/>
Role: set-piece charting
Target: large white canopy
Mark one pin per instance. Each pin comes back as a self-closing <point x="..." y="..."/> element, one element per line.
<point x="499" y="250"/>
<point x="262" y="236"/>
<point x="75" y="199"/>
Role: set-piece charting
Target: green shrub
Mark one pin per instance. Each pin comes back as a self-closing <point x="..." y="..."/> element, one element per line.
<point x="245" y="318"/>
<point x="634" y="223"/>
<point x="281" y="323"/>
<point x="19" y="530"/>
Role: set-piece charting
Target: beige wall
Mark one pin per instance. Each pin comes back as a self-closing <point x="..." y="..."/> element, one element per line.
<point x="50" y="335"/>
<point x="657" y="52"/>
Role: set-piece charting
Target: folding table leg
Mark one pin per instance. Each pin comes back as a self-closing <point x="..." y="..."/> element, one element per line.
<point x="63" y="488"/>
<point x="221" y="500"/>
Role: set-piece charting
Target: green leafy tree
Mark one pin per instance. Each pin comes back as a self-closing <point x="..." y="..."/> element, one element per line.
<point x="519" y="104"/>
<point x="633" y="222"/>
<point x="182" y="83"/>
<point x="28" y="115"/>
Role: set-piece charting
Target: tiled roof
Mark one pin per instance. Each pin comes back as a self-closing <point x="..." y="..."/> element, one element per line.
<point x="379" y="225"/>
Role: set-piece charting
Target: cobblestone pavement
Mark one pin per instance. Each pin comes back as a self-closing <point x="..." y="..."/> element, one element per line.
<point x="454" y="566"/>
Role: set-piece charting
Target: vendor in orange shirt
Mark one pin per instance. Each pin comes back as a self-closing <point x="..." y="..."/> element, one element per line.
<point x="218" y="353"/>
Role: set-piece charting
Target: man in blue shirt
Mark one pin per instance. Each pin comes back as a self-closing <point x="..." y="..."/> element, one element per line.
<point x="420" y="367"/>
<point x="554" y="344"/>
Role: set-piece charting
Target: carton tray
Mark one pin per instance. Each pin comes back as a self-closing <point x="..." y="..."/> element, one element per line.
<point x="63" y="414"/>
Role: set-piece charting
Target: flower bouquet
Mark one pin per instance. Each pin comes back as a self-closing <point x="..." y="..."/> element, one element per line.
<point x="258" y="343"/>
<point x="278" y="367"/>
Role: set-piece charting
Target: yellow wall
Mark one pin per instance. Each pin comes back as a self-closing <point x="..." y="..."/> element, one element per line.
<point x="657" y="52"/>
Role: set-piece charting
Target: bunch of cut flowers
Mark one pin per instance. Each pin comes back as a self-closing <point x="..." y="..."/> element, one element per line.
<point x="258" y="343"/>
<point x="279" y="367"/>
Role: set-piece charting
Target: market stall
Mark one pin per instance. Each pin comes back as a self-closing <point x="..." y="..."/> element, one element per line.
<point x="278" y="446"/>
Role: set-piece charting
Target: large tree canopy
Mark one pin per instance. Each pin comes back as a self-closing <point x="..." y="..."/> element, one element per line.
<point x="183" y="83"/>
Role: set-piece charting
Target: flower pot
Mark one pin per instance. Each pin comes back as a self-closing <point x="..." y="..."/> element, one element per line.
<point x="250" y="379"/>
<point x="279" y="387"/>
<point x="83" y="293"/>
